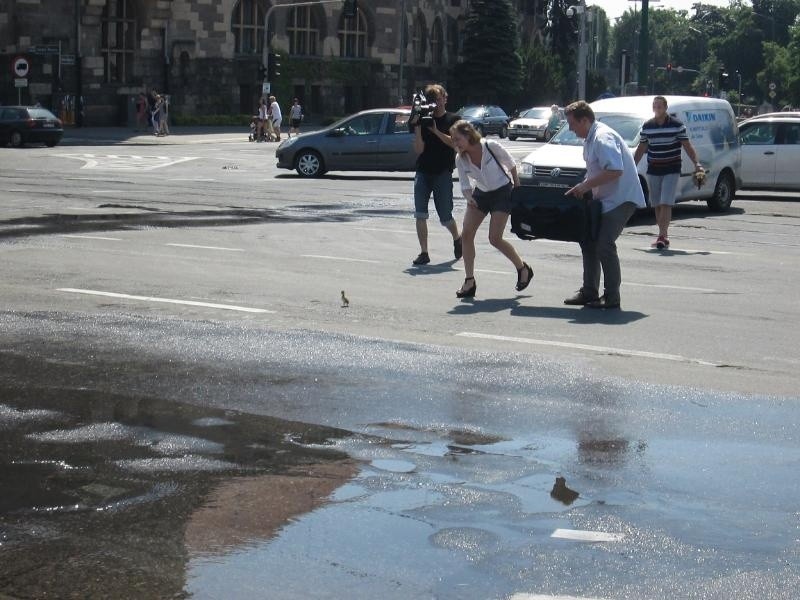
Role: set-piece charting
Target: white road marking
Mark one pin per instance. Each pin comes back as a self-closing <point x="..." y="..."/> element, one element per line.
<point x="120" y="162"/>
<point x="191" y="179"/>
<point x="207" y="247"/>
<point x="523" y="596"/>
<point x="580" y="535"/>
<point x="483" y="271"/>
<point x="407" y="231"/>
<point x="672" y="287"/>
<point x="91" y="237"/>
<point x="361" y="260"/>
<point x="165" y="300"/>
<point x="600" y="349"/>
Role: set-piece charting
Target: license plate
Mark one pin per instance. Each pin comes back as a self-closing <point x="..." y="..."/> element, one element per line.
<point x="49" y="125"/>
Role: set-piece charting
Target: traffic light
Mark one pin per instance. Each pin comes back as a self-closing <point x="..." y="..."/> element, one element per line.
<point x="723" y="78"/>
<point x="273" y="66"/>
<point x="350" y="8"/>
<point x="669" y="67"/>
<point x="262" y="72"/>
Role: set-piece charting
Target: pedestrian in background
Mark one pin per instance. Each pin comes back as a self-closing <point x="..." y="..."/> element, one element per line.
<point x="295" y="117"/>
<point x="612" y="178"/>
<point x="163" y="116"/>
<point x="487" y="174"/>
<point x="141" y="112"/>
<point x="277" y="117"/>
<point x="662" y="138"/>
<point x="434" y="174"/>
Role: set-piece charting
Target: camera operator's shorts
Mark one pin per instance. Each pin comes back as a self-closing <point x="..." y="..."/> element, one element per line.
<point x="498" y="200"/>
<point x="663" y="188"/>
<point x="441" y="186"/>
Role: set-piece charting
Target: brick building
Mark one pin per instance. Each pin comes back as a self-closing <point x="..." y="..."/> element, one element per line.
<point x="206" y="53"/>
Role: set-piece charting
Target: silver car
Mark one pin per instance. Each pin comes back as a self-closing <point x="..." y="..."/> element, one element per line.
<point x="371" y="140"/>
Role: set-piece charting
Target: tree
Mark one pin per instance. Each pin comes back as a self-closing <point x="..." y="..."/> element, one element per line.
<point x="491" y="71"/>
<point x="542" y="81"/>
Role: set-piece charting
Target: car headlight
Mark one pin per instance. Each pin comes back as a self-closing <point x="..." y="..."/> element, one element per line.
<point x="286" y="143"/>
<point x="526" y="170"/>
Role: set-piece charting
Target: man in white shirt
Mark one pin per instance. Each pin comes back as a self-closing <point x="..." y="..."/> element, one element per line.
<point x="612" y="178"/>
<point x="277" y="117"/>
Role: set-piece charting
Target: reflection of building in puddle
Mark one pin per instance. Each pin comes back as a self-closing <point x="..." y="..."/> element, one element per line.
<point x="245" y="510"/>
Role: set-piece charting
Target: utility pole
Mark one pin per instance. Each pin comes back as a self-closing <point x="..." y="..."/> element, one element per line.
<point x="402" y="44"/>
<point x="644" y="51"/>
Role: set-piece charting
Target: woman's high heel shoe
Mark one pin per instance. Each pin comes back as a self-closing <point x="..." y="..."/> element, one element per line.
<point x="521" y="285"/>
<point x="469" y="292"/>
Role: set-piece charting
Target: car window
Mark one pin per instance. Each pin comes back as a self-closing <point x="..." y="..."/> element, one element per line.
<point x="628" y="126"/>
<point x="792" y="134"/>
<point x="758" y="133"/>
<point x="40" y="113"/>
<point x="536" y="113"/>
<point x="472" y="111"/>
<point x="364" y="125"/>
<point x="11" y="114"/>
<point x="400" y="123"/>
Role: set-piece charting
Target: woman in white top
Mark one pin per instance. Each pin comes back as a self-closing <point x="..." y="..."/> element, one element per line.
<point x="487" y="174"/>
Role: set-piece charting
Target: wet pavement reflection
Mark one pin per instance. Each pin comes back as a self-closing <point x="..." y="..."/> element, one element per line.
<point x="139" y="459"/>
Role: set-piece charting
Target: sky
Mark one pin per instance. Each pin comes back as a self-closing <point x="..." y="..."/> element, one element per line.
<point x="615" y="8"/>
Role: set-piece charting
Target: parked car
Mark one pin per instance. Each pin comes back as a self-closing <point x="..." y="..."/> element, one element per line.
<point x="371" y="140"/>
<point x="535" y="123"/>
<point x="710" y="124"/>
<point x="486" y="118"/>
<point x="771" y="151"/>
<point x="20" y="125"/>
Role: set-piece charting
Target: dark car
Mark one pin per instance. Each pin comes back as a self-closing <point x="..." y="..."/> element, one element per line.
<point x="20" y="125"/>
<point x="371" y="140"/>
<point x="486" y="118"/>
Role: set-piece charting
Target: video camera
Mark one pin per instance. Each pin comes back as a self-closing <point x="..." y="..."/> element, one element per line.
<point x="422" y="109"/>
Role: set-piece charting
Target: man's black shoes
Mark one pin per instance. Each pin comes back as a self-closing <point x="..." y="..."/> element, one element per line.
<point x="422" y="259"/>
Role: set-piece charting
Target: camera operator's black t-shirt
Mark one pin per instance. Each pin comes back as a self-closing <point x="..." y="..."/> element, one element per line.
<point x="437" y="156"/>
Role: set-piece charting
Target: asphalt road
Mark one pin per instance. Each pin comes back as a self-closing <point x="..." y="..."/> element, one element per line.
<point x="158" y="291"/>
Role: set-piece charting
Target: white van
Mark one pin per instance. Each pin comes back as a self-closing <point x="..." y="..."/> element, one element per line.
<point x="712" y="130"/>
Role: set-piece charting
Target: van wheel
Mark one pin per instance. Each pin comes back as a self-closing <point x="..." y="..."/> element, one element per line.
<point x="724" y="192"/>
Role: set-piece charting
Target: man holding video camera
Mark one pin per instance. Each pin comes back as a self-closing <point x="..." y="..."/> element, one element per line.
<point x="435" y="163"/>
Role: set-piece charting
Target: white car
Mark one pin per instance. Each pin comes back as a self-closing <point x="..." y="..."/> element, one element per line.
<point x="534" y="123"/>
<point x="771" y="151"/>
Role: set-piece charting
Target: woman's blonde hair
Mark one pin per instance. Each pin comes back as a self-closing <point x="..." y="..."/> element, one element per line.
<point x="466" y="129"/>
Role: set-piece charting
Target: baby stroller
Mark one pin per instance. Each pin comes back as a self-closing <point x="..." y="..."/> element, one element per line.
<point x="267" y="132"/>
<point x="254" y="131"/>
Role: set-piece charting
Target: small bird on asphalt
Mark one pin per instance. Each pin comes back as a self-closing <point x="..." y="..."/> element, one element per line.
<point x="345" y="301"/>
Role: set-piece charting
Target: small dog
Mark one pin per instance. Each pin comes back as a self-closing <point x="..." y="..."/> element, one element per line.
<point x="699" y="178"/>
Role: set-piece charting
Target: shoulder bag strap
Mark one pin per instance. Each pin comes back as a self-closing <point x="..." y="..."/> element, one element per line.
<point x="489" y="148"/>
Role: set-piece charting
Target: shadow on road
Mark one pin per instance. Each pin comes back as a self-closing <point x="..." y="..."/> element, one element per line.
<point x="571" y="314"/>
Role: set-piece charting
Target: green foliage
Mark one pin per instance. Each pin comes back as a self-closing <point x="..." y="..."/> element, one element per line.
<point x="491" y="71"/>
<point x="543" y="82"/>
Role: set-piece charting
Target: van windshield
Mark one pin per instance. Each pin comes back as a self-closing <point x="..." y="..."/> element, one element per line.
<point x="628" y="126"/>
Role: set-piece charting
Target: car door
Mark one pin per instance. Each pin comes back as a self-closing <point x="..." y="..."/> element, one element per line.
<point x="7" y="115"/>
<point x="787" y="157"/>
<point x="758" y="154"/>
<point x="354" y="145"/>
<point x="396" y="149"/>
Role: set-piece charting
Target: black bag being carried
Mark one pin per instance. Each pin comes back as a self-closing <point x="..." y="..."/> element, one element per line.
<point x="541" y="212"/>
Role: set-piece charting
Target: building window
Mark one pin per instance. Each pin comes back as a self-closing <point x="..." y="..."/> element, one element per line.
<point x="119" y="41"/>
<point x="420" y="40"/>
<point x="353" y="36"/>
<point x="247" y="24"/>
<point x="437" y="48"/>
<point x="452" y="40"/>
<point x="303" y="31"/>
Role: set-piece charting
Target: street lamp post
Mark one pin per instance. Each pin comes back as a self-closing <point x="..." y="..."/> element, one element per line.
<point x="581" y="10"/>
